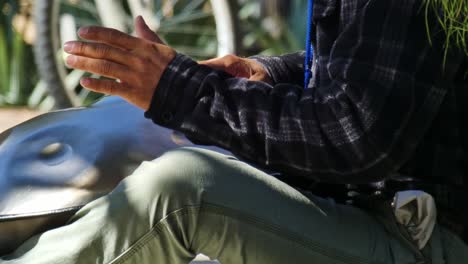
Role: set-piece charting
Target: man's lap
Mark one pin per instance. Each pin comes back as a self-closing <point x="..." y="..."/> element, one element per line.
<point x="192" y="201"/>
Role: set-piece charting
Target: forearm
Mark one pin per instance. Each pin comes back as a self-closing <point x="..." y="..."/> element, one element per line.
<point x="284" y="127"/>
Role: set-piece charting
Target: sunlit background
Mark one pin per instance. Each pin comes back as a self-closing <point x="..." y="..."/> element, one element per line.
<point x="35" y="80"/>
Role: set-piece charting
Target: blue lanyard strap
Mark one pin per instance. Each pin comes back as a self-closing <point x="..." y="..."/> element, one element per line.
<point x="308" y="47"/>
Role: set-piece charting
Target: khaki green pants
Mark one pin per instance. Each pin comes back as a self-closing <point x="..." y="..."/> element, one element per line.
<point x="192" y="201"/>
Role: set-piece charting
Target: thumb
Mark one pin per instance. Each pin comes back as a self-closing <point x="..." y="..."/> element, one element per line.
<point x="231" y="64"/>
<point x="144" y="32"/>
<point x="216" y="63"/>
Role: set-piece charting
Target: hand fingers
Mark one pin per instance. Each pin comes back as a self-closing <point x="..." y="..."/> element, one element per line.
<point x="104" y="86"/>
<point x="110" y="36"/>
<point x="216" y="63"/>
<point x="231" y="64"/>
<point x="99" y="51"/>
<point x="240" y="69"/>
<point x="222" y="63"/>
<point x="258" y="77"/>
<point x="143" y="31"/>
<point x="101" y="67"/>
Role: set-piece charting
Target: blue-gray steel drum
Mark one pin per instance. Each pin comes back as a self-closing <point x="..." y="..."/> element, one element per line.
<point x="55" y="163"/>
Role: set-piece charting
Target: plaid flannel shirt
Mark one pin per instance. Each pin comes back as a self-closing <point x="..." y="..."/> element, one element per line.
<point x="374" y="107"/>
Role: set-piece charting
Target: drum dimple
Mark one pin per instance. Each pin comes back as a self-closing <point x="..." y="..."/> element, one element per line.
<point x="55" y="153"/>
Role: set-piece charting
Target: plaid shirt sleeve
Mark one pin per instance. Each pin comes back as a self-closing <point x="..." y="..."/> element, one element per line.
<point x="288" y="68"/>
<point x="377" y="86"/>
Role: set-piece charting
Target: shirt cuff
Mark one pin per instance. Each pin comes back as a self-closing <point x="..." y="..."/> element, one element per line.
<point x="275" y="67"/>
<point x="176" y="91"/>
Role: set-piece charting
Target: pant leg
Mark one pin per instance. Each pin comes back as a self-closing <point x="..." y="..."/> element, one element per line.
<point x="192" y="201"/>
<point x="449" y="248"/>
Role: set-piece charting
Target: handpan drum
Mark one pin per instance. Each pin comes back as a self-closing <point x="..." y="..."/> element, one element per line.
<point x="53" y="164"/>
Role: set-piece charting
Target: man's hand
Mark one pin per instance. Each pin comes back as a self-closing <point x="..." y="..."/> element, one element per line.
<point x="137" y="63"/>
<point x="239" y="67"/>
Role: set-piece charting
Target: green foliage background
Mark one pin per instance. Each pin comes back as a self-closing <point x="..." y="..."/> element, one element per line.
<point x="17" y="69"/>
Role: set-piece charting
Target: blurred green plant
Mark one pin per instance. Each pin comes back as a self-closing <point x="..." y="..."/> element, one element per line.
<point x="274" y="32"/>
<point x="17" y="70"/>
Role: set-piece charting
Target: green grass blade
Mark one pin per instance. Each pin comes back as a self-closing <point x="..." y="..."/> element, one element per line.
<point x="4" y="63"/>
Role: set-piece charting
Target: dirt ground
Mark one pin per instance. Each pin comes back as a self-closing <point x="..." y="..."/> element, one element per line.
<point x="12" y="116"/>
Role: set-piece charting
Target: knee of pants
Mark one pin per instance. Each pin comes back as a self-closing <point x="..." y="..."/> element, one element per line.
<point x="179" y="177"/>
